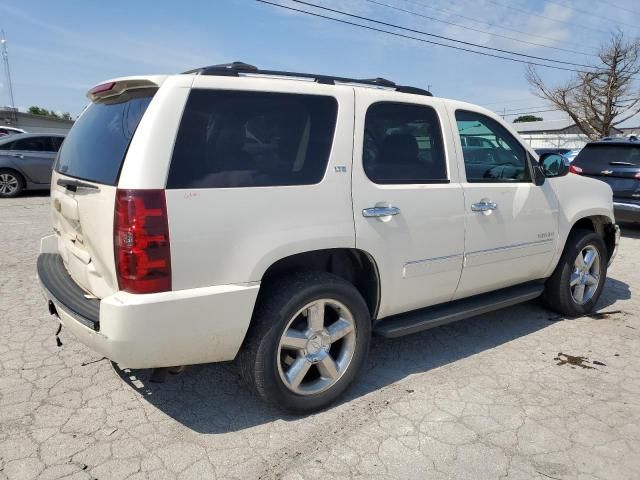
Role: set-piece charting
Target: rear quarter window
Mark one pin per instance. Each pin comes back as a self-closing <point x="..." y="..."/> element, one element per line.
<point x="233" y="139"/>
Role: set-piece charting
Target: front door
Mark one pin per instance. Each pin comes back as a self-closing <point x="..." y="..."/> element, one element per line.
<point x="408" y="203"/>
<point x="511" y="223"/>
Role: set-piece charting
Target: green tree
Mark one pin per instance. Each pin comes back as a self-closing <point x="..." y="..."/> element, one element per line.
<point x="35" y="110"/>
<point x="527" y="118"/>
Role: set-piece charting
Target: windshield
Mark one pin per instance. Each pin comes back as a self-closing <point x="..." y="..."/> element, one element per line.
<point x="97" y="143"/>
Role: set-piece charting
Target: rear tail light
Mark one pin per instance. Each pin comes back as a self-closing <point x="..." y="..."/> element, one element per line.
<point x="141" y="241"/>
<point x="637" y="175"/>
<point x="104" y="87"/>
<point x="575" y="169"/>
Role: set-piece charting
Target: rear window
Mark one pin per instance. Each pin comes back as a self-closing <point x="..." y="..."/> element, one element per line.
<point x="599" y="156"/>
<point x="252" y="139"/>
<point x="96" y="145"/>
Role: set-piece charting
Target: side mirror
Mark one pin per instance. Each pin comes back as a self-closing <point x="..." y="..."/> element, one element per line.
<point x="554" y="165"/>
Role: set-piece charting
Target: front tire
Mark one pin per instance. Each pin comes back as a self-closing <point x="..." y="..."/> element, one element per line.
<point x="309" y="338"/>
<point x="578" y="280"/>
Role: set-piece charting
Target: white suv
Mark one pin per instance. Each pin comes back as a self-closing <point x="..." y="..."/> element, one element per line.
<point x="280" y="219"/>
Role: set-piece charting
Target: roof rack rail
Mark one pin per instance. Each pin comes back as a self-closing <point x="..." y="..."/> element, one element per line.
<point x="236" y="69"/>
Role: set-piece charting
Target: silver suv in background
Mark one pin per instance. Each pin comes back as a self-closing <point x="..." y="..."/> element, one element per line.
<point x="26" y="161"/>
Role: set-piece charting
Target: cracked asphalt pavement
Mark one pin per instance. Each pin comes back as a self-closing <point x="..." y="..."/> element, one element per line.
<point x="517" y="394"/>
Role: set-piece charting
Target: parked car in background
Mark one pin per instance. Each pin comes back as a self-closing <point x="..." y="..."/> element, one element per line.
<point x="572" y="154"/>
<point x="4" y="131"/>
<point x="560" y="151"/>
<point x="615" y="161"/>
<point x="26" y="161"/>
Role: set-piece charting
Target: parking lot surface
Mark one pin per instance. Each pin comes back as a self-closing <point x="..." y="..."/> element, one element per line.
<point x="517" y="394"/>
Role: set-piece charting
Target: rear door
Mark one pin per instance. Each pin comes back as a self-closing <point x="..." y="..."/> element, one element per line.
<point x="407" y="201"/>
<point x="84" y="184"/>
<point x="616" y="164"/>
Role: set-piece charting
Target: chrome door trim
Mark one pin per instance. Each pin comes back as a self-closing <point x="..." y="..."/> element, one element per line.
<point x="510" y="247"/>
<point x="413" y="268"/>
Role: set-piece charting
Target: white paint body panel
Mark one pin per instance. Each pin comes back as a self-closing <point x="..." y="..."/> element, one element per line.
<point x="229" y="235"/>
<point x="418" y="265"/>
<point x="223" y="240"/>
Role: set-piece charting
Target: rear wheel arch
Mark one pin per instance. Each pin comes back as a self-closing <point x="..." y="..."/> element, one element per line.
<point x="353" y="265"/>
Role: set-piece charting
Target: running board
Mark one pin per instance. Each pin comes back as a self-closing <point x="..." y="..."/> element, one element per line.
<point x="430" y="317"/>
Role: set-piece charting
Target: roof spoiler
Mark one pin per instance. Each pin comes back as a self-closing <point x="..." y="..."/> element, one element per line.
<point x="118" y="86"/>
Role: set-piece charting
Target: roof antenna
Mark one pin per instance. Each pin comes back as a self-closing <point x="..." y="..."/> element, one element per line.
<point x="5" y="59"/>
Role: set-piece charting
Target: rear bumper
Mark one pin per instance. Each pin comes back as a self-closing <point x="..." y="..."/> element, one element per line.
<point x="626" y="212"/>
<point x="155" y="330"/>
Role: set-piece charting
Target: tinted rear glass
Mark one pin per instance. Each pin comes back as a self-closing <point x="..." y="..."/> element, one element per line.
<point x="252" y="139"/>
<point x="599" y="156"/>
<point x="95" y="147"/>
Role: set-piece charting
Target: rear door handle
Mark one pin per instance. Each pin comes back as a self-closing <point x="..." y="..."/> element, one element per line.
<point x="484" y="206"/>
<point x="377" y="212"/>
<point x="17" y="155"/>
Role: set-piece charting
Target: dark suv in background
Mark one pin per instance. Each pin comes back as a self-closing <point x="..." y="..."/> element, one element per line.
<point x="615" y="161"/>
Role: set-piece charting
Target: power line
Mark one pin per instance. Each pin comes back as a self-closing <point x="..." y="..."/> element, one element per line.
<point x="613" y="4"/>
<point x="529" y="12"/>
<point x="591" y="14"/>
<point x="396" y="34"/>
<point x="494" y="25"/>
<point x="476" y="29"/>
<point x="386" y="24"/>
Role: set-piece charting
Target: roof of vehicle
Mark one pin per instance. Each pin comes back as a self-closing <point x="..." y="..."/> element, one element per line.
<point x="18" y="136"/>
<point x="15" y="129"/>
<point x="236" y="69"/>
<point x="631" y="140"/>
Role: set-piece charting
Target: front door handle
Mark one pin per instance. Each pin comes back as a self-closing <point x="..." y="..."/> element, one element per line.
<point x="484" y="206"/>
<point x="17" y="155"/>
<point x="378" y="212"/>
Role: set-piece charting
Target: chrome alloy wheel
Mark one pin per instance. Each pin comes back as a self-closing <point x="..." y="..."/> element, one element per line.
<point x="8" y="183"/>
<point x="585" y="277"/>
<point x="316" y="347"/>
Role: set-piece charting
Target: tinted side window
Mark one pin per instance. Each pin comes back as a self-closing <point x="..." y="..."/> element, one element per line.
<point x="32" y="144"/>
<point x="6" y="146"/>
<point x="491" y="153"/>
<point x="403" y="144"/>
<point x="252" y="139"/>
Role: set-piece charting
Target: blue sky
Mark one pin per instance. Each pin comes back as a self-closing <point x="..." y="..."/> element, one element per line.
<point x="59" y="49"/>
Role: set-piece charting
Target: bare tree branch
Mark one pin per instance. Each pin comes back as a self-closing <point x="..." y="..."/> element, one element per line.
<point x="603" y="97"/>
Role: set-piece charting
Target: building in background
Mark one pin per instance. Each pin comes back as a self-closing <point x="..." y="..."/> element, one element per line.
<point x="554" y="134"/>
<point x="33" y="123"/>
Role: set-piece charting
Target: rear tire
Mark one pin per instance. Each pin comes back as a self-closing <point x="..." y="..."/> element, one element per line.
<point x="578" y="280"/>
<point x="11" y="183"/>
<point x="308" y="340"/>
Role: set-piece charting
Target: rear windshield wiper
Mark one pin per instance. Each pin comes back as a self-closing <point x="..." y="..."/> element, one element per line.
<point x="73" y="185"/>
<point x="624" y="164"/>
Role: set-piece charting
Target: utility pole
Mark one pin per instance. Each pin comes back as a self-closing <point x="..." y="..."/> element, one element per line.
<point x="5" y="59"/>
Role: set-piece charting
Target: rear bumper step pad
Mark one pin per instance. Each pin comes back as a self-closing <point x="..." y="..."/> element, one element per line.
<point x="64" y="292"/>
